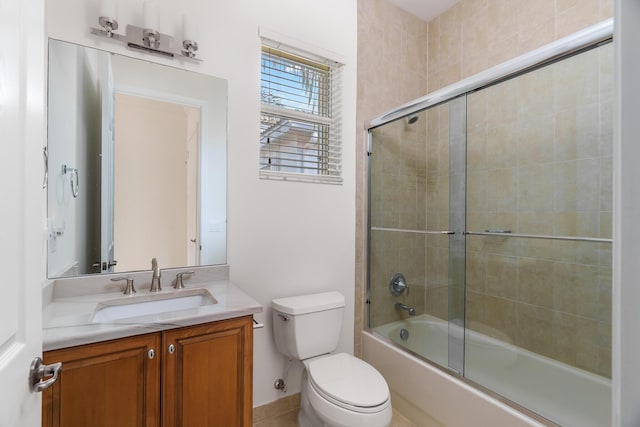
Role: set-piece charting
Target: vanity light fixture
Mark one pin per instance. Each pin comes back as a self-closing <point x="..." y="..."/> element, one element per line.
<point x="148" y="39"/>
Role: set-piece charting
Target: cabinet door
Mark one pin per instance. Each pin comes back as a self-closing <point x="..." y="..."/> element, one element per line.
<point x="112" y="383"/>
<point x="207" y="378"/>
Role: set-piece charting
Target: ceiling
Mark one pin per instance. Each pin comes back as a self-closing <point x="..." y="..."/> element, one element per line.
<point x="425" y="9"/>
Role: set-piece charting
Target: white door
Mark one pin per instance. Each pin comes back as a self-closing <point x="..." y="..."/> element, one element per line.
<point x="106" y="190"/>
<point x="22" y="249"/>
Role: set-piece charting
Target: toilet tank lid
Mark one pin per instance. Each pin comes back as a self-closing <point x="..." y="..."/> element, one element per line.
<point x="308" y="303"/>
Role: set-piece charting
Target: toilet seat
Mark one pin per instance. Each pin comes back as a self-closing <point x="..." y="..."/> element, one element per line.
<point x="349" y="382"/>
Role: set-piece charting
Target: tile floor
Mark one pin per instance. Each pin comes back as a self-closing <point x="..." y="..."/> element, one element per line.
<point x="290" y="419"/>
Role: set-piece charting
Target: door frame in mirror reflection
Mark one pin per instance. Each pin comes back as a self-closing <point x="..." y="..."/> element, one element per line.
<point x="156" y="152"/>
<point x="78" y="239"/>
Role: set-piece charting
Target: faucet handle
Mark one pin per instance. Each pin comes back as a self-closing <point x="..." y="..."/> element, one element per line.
<point x="398" y="285"/>
<point x="179" y="284"/>
<point x="129" y="289"/>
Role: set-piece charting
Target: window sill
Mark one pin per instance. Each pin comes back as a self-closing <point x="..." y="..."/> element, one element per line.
<point x="300" y="177"/>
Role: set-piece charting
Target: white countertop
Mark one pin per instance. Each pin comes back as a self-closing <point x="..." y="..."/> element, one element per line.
<point x="67" y="318"/>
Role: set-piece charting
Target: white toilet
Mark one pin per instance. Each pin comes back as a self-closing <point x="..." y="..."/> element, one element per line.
<point x="338" y="390"/>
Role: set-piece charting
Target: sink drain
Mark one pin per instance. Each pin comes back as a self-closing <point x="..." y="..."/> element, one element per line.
<point x="404" y="334"/>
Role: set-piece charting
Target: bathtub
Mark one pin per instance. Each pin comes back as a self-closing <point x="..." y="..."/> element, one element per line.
<point x="556" y="391"/>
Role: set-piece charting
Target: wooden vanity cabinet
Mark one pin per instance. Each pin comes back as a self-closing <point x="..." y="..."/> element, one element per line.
<point x="106" y="384"/>
<point x="199" y="376"/>
<point x="207" y="380"/>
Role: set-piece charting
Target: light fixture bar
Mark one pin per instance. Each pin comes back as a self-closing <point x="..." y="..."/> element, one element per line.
<point x="147" y="40"/>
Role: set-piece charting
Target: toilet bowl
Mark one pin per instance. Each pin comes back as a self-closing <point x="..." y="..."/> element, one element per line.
<point x="343" y="391"/>
<point x="338" y="390"/>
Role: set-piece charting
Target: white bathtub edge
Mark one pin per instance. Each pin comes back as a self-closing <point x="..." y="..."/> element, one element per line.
<point x="442" y="397"/>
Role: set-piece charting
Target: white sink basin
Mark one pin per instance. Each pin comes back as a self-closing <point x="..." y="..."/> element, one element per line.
<point x="150" y="304"/>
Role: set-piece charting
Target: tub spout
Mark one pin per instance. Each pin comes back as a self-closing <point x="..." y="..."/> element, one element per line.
<point x="404" y="307"/>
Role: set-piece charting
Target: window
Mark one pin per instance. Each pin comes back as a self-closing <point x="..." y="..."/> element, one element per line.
<point x="300" y="116"/>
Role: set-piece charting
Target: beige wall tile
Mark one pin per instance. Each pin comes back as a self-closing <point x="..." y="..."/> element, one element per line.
<point x="565" y="186"/>
<point x="606" y="224"/>
<point x="474" y="11"/>
<point x="476" y="269"/>
<point x="566" y="224"/>
<point x="573" y="15"/>
<point x="536" y="94"/>
<point x="576" y="80"/>
<point x="587" y="224"/>
<point x="502" y="49"/>
<point x="539" y="248"/>
<point x="534" y="13"/>
<point x="536" y="23"/>
<point x="535" y="187"/>
<point x="536" y="140"/>
<point x="265" y="414"/>
<point x="501" y="276"/>
<point x="475" y="310"/>
<point x="437" y="301"/>
<point x="535" y="282"/>
<point x="475" y="45"/>
<point x="477" y="190"/>
<point x="477" y="111"/>
<point x="575" y="289"/>
<point x="496" y="244"/>
<point x="502" y="103"/>
<point x="535" y="329"/>
<point x="533" y="38"/>
<point x="534" y="222"/>
<point x="564" y="337"/>
<point x="477" y="151"/>
<point x="501" y="317"/>
<point x="502" y="190"/>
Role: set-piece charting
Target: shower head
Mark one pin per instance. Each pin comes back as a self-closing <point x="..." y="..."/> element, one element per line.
<point x="412" y="118"/>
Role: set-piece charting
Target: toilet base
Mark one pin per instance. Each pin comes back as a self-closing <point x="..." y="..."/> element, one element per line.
<point x="307" y="417"/>
<point x="303" y="421"/>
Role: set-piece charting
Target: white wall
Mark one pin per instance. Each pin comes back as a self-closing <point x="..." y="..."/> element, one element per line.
<point x="626" y="237"/>
<point x="283" y="238"/>
<point x="74" y="113"/>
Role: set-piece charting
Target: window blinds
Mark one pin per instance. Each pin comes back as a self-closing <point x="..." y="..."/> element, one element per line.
<point x="300" y="127"/>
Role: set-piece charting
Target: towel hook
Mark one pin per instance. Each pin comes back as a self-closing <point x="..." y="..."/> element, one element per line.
<point x="73" y="179"/>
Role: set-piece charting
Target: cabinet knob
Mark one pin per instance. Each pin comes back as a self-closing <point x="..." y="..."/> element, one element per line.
<point x="172" y="349"/>
<point x="152" y="353"/>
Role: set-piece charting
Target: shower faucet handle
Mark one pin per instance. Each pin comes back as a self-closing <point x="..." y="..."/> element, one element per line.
<point x="398" y="284"/>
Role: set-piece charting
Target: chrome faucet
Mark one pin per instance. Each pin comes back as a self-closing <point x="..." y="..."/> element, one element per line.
<point x="155" y="278"/>
<point x="405" y="307"/>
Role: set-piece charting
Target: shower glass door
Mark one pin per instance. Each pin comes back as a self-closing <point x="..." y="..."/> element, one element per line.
<point x="416" y="206"/>
<point x="490" y="226"/>
<point x="538" y="254"/>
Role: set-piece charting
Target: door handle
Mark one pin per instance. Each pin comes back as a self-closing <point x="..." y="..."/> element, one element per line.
<point x="104" y="266"/>
<point x="40" y="371"/>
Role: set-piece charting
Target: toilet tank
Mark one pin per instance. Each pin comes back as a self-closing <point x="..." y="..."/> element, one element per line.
<point x="308" y="325"/>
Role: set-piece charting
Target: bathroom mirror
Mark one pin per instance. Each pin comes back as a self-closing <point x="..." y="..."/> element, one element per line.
<point x="136" y="161"/>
